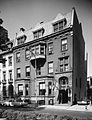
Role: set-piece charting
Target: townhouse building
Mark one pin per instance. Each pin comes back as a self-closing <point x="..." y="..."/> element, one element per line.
<point x="7" y="75"/>
<point x="49" y="61"/>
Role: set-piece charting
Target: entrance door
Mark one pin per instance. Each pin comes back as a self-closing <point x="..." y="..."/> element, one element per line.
<point x="63" y="96"/>
<point x="63" y="91"/>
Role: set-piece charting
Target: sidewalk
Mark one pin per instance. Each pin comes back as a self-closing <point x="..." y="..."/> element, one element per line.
<point x="87" y="108"/>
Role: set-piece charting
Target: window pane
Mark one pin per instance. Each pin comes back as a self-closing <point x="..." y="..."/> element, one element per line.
<point x="37" y="50"/>
<point x="64" y="44"/>
<point x="17" y="57"/>
<point x="42" y="50"/>
<point x="50" y="65"/>
<point x="55" y="27"/>
<point x="42" y="88"/>
<point x="50" y="48"/>
<point x="61" y="25"/>
<point x="27" y="71"/>
<point x="10" y="61"/>
<point x="20" y="89"/>
<point x="27" y="54"/>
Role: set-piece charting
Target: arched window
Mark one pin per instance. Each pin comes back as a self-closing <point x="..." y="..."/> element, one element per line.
<point x="63" y="81"/>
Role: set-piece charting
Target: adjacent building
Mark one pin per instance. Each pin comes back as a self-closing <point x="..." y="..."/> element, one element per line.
<point x="7" y="75"/>
<point x="49" y="61"/>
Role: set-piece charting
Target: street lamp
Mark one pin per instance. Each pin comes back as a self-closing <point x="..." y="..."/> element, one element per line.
<point x="34" y="54"/>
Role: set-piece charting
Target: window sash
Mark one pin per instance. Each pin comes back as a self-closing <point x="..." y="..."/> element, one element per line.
<point x="50" y="48"/>
<point x="18" y="57"/>
<point x="10" y="74"/>
<point x="18" y="73"/>
<point x="10" y="61"/>
<point x="64" y="45"/>
<point x="50" y="67"/>
<point x="42" y="88"/>
<point x="27" y="53"/>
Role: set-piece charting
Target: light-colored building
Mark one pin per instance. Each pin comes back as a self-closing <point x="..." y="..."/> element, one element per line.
<point x="7" y="75"/>
<point x="49" y="61"/>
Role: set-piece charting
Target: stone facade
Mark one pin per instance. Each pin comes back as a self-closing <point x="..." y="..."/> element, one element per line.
<point x="49" y="61"/>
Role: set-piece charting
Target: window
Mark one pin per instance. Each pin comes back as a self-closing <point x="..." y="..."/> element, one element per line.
<point x="18" y="57"/>
<point x="55" y="27"/>
<point x="4" y="64"/>
<point x="26" y="89"/>
<point x="18" y="73"/>
<point x="64" y="44"/>
<point x="10" y="74"/>
<point x="4" y="91"/>
<point x="33" y="52"/>
<point x="59" y="25"/>
<point x="64" y="64"/>
<point x="4" y="75"/>
<point x="50" y="48"/>
<point x="38" y="71"/>
<point x="38" y="33"/>
<point x="63" y="82"/>
<point x="21" y="40"/>
<point x="90" y="81"/>
<point x="42" y="88"/>
<point x="49" y="88"/>
<point x="66" y="67"/>
<point x="37" y="50"/>
<point x="20" y="89"/>
<point x="27" y="71"/>
<point x="61" y="68"/>
<point x="42" y="50"/>
<point x="10" y="60"/>
<point x="50" y="67"/>
<point x="27" y="54"/>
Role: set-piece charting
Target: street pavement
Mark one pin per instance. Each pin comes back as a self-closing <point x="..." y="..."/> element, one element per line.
<point x="86" y="108"/>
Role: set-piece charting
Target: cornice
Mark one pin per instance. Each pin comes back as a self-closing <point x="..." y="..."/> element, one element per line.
<point x="43" y="38"/>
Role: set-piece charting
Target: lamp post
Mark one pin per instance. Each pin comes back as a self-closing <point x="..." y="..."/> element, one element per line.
<point x="35" y="66"/>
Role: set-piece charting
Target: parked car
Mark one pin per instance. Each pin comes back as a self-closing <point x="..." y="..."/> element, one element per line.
<point x="8" y="102"/>
<point x="19" y="103"/>
<point x="83" y="102"/>
<point x="1" y="103"/>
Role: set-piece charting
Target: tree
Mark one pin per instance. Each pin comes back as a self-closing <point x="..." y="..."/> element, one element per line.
<point x="3" y="37"/>
<point x="4" y="40"/>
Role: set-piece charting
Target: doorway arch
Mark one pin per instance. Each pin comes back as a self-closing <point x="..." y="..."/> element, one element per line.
<point x="63" y="90"/>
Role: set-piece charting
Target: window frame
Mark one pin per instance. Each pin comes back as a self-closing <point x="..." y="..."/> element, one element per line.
<point x="64" y="64"/>
<point x="50" y="48"/>
<point x="18" y="57"/>
<point x="42" y="91"/>
<point x="18" y="75"/>
<point x="50" y="68"/>
<point x="64" y="45"/>
<point x="4" y="75"/>
<point x="10" y="75"/>
<point x="10" y="60"/>
<point x="26" y="72"/>
<point x="27" y="55"/>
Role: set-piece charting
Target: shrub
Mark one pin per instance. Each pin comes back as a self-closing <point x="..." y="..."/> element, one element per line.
<point x="66" y="117"/>
<point x="7" y="114"/>
<point x="1" y="111"/>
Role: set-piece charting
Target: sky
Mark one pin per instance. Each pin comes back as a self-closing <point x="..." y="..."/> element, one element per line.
<point x="27" y="13"/>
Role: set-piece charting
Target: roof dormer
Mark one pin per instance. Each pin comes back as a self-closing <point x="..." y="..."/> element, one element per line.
<point x="59" y="23"/>
<point x="38" y="31"/>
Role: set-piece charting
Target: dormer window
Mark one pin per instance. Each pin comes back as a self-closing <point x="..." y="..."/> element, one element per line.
<point x="38" y="33"/>
<point x="21" y="40"/>
<point x="59" y="25"/>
